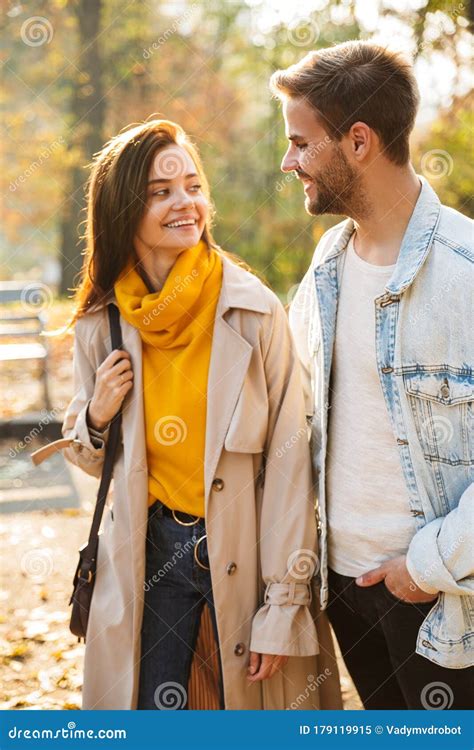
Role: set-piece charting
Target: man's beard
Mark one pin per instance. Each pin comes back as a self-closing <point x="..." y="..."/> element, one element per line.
<point x="339" y="189"/>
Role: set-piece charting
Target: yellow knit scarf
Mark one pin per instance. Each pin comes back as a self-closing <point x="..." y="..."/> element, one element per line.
<point x="176" y="327"/>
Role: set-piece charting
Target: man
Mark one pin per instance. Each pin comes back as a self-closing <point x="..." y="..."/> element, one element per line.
<point x="383" y="326"/>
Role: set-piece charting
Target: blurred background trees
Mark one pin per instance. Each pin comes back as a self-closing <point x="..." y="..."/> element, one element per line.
<point x="75" y="72"/>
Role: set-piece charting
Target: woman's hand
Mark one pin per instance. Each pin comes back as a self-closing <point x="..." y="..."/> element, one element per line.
<point x="114" y="379"/>
<point x="264" y="666"/>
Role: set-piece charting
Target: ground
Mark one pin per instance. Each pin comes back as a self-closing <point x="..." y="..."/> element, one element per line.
<point x="41" y="661"/>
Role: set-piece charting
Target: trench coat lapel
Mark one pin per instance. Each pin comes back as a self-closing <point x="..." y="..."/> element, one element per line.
<point x="136" y="472"/>
<point x="230" y="359"/>
<point x="133" y="416"/>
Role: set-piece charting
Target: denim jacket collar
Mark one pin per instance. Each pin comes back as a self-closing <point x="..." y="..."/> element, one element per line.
<point x="416" y="243"/>
<point x="417" y="240"/>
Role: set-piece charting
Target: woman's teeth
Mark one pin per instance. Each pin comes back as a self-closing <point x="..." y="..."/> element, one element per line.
<point x="187" y="223"/>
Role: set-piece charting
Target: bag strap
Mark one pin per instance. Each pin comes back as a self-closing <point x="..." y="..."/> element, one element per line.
<point x="112" y="442"/>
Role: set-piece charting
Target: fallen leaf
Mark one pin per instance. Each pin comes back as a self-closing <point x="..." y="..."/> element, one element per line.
<point x="34" y="630"/>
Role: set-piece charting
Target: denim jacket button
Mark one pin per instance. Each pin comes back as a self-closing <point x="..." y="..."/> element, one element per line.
<point x="386" y="370"/>
<point x="389" y="301"/>
<point x="445" y="390"/>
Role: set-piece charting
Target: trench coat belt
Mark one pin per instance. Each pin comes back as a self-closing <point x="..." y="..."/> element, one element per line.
<point x="47" y="450"/>
<point x="288" y="593"/>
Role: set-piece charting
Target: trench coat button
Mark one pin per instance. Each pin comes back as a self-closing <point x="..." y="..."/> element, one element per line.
<point x="218" y="484"/>
<point x="239" y="650"/>
<point x="231" y="568"/>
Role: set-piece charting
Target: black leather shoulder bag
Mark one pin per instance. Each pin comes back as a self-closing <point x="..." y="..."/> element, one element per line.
<point x="84" y="578"/>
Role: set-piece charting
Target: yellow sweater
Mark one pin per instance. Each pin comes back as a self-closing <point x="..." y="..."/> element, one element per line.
<point x="176" y="326"/>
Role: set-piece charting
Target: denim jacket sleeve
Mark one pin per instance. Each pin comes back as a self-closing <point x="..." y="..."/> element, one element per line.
<point x="440" y="556"/>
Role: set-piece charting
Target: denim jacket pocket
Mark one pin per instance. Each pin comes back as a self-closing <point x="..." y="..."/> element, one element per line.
<point x="442" y="408"/>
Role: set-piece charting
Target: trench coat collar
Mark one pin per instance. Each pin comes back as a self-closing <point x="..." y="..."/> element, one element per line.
<point x="230" y="358"/>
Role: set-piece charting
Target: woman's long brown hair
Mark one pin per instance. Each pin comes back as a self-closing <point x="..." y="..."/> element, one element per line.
<point x="116" y="200"/>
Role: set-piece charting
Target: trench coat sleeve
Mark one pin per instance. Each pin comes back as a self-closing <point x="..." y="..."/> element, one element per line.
<point x="88" y="452"/>
<point x="288" y="539"/>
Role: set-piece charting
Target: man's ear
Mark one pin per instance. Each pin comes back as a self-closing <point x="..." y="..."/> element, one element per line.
<point x="361" y="140"/>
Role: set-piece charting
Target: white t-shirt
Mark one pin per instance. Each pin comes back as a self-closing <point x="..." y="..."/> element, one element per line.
<point x="369" y="518"/>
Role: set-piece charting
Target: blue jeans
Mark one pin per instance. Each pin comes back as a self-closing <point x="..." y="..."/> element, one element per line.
<point x="176" y="590"/>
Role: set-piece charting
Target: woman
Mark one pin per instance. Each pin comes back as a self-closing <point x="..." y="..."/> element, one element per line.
<point x="212" y="501"/>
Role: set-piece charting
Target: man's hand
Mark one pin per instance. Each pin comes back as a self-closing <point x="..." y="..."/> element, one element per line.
<point x="264" y="666"/>
<point x="397" y="580"/>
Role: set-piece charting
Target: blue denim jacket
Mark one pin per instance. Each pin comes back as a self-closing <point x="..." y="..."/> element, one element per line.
<point x="424" y="346"/>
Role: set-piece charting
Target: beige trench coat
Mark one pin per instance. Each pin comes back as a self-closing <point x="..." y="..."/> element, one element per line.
<point x="261" y="520"/>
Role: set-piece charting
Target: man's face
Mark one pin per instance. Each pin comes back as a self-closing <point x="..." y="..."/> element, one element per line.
<point x="330" y="182"/>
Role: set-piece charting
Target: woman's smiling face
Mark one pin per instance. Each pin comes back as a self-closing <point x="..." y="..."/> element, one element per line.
<point x="176" y="208"/>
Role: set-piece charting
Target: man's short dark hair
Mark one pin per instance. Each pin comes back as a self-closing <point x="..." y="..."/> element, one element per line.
<point x="357" y="81"/>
